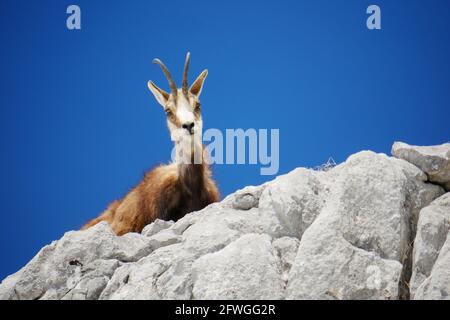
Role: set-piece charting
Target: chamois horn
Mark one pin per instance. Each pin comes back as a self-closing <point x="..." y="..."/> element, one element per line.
<point x="173" y="86"/>
<point x="184" y="85"/>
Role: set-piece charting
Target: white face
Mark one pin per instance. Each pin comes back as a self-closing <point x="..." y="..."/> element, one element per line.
<point x="183" y="112"/>
<point x="184" y="117"/>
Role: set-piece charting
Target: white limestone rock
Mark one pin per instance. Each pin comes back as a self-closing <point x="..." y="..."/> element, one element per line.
<point x="433" y="160"/>
<point x="344" y="233"/>
<point x="432" y="230"/>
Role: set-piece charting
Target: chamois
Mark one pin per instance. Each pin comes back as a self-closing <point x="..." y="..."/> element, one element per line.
<point x="170" y="191"/>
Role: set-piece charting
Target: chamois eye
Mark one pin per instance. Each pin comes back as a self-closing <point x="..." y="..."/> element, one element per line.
<point x="197" y="106"/>
<point x="168" y="112"/>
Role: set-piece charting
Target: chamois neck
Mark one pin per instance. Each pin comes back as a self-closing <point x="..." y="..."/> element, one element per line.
<point x="191" y="167"/>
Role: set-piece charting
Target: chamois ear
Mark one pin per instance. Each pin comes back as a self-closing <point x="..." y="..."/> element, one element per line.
<point x="196" y="87"/>
<point x="160" y="95"/>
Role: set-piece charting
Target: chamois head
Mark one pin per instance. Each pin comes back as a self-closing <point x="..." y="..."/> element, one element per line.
<point x="182" y="106"/>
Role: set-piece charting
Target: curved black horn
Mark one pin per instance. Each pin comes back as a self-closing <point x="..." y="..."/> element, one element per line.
<point x="173" y="86"/>
<point x="184" y="85"/>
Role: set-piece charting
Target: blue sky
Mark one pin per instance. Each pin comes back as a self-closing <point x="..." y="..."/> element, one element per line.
<point x="78" y="126"/>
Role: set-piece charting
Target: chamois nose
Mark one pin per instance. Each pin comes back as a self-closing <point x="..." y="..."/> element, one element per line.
<point x="188" y="126"/>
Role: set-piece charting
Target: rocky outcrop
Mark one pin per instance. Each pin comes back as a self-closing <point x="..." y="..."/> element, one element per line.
<point x="437" y="285"/>
<point x="78" y="265"/>
<point x="358" y="246"/>
<point x="433" y="160"/>
<point x="432" y="234"/>
<point x="342" y="233"/>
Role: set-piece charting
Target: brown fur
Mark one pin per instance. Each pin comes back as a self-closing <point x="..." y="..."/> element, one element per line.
<point x="166" y="192"/>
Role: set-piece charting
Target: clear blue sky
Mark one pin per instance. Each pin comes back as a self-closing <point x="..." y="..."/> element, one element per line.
<point x="78" y="126"/>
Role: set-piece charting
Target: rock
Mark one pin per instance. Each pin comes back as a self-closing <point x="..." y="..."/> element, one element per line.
<point x="183" y="224"/>
<point x="355" y="248"/>
<point x="344" y="233"/>
<point x="244" y="199"/>
<point x="155" y="227"/>
<point x="88" y="282"/>
<point x="433" y="160"/>
<point x="437" y="285"/>
<point x="433" y="226"/>
<point x="166" y="272"/>
<point x="286" y="249"/>
<point x="247" y="268"/>
<point x="59" y="267"/>
<point x="295" y="199"/>
<point x="339" y="270"/>
<point x="164" y="238"/>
